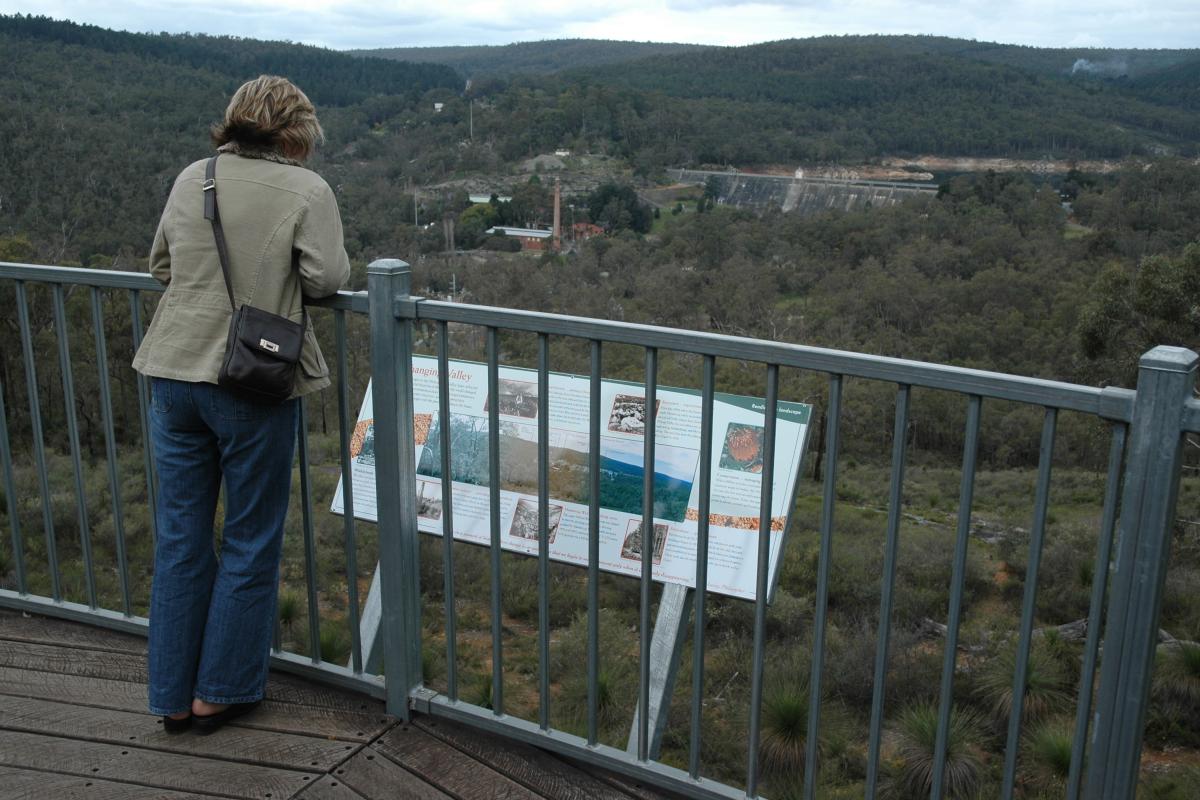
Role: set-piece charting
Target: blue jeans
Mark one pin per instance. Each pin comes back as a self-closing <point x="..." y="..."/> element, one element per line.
<point x="212" y="615"/>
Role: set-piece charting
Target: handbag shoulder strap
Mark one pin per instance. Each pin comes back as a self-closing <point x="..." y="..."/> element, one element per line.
<point x="213" y="215"/>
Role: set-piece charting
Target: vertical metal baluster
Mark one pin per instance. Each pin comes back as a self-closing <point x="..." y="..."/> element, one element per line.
<point x="966" y="495"/>
<point x="1036" y="539"/>
<point x="493" y="355"/>
<point x="895" y="500"/>
<point x="39" y="447"/>
<point x="110" y="448"/>
<point x="701" y="590"/>
<point x="10" y="495"/>
<point x="447" y="511"/>
<point x="393" y="309"/>
<point x="593" y="579"/>
<point x="310" y="544"/>
<point x="770" y="412"/>
<point x="135" y="312"/>
<point x="647" y="555"/>
<point x="348" y="532"/>
<point x="543" y="456"/>
<point x="1087" y="677"/>
<point x="833" y="434"/>
<point x="1150" y="491"/>
<point x="68" y="385"/>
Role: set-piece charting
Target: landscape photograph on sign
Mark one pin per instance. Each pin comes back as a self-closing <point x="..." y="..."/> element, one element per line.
<point x="622" y="477"/>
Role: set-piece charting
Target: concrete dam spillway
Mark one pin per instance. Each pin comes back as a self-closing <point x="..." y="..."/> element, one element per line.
<point x="806" y="196"/>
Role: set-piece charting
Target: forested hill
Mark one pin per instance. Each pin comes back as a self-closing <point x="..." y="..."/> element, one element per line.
<point x="1079" y="62"/>
<point x="97" y="123"/>
<point x="328" y="77"/>
<point x="927" y="94"/>
<point x="530" y="57"/>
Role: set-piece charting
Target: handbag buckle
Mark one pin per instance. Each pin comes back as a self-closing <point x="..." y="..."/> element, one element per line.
<point x="209" y="184"/>
<point x="268" y="345"/>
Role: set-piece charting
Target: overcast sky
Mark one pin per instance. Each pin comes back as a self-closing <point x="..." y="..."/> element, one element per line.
<point x="344" y="24"/>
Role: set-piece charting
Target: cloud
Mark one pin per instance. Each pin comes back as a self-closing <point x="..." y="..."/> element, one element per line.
<point x="398" y="23"/>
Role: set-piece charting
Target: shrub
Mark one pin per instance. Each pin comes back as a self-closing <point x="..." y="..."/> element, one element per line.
<point x="785" y="728"/>
<point x="479" y="691"/>
<point x="335" y="644"/>
<point x="1046" y="753"/>
<point x="924" y="570"/>
<point x="1065" y="578"/>
<point x="289" y="609"/>
<point x="1173" y="718"/>
<point x="1177" y="784"/>
<point x="1047" y="684"/>
<point x="910" y="772"/>
<point x="1177" y="672"/>
<point x="618" y="672"/>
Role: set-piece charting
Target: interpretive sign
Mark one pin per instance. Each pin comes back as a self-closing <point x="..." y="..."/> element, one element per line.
<point x="736" y="477"/>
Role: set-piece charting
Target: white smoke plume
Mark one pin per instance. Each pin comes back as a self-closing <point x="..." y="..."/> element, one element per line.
<point x="1113" y="67"/>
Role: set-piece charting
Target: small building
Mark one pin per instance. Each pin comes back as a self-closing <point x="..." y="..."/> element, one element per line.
<point x="530" y="238"/>
<point x="581" y="231"/>
<point x="437" y="107"/>
<point x="487" y="198"/>
<point x="562" y="153"/>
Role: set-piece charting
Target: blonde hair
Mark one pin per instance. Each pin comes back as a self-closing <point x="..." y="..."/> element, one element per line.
<point x="270" y="112"/>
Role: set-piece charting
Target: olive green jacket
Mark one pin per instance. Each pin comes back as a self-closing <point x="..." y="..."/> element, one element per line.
<point x="284" y="236"/>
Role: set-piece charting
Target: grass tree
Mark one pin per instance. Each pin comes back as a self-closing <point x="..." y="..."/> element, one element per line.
<point x="1047" y="685"/>
<point x="911" y="761"/>
<point x="1046" y="756"/>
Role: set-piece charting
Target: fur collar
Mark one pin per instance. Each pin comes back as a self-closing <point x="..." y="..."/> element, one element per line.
<point x="265" y="153"/>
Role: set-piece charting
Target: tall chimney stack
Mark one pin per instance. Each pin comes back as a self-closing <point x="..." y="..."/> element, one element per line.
<point x="557" y="216"/>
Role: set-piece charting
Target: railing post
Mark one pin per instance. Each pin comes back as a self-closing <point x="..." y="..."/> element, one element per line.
<point x="1166" y="378"/>
<point x="388" y="286"/>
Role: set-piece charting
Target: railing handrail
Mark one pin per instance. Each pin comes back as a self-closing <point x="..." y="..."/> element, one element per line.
<point x="143" y="282"/>
<point x="1110" y="403"/>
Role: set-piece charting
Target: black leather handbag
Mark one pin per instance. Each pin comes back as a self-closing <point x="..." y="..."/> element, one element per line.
<point x="263" y="349"/>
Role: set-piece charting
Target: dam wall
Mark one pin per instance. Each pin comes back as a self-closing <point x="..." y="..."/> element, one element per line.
<point x="807" y="196"/>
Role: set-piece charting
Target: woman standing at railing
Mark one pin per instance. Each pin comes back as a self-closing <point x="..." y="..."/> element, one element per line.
<point x="211" y="615"/>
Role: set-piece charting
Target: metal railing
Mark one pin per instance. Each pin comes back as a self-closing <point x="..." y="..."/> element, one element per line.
<point x="1143" y="473"/>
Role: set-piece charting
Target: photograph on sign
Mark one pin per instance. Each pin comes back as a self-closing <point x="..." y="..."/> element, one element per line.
<point x="735" y="478"/>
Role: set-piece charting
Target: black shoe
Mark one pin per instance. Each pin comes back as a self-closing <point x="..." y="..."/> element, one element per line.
<point x="211" y="723"/>
<point x="176" y="725"/>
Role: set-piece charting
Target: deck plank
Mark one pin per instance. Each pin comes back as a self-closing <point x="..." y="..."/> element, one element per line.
<point x="329" y="789"/>
<point x="284" y="750"/>
<point x="539" y="770"/>
<point x="74" y="724"/>
<point x="37" y="629"/>
<point x="126" y="666"/>
<point x="456" y="772"/>
<point x="24" y="784"/>
<point x="347" y="726"/>
<point x="375" y="777"/>
<point x="148" y="767"/>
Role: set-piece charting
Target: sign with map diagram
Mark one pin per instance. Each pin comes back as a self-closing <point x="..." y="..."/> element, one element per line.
<point x="736" y="477"/>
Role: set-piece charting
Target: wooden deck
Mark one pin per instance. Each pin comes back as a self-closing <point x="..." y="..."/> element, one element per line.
<point x="73" y="724"/>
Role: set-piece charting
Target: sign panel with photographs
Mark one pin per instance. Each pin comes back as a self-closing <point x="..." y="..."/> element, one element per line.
<point x="735" y="481"/>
